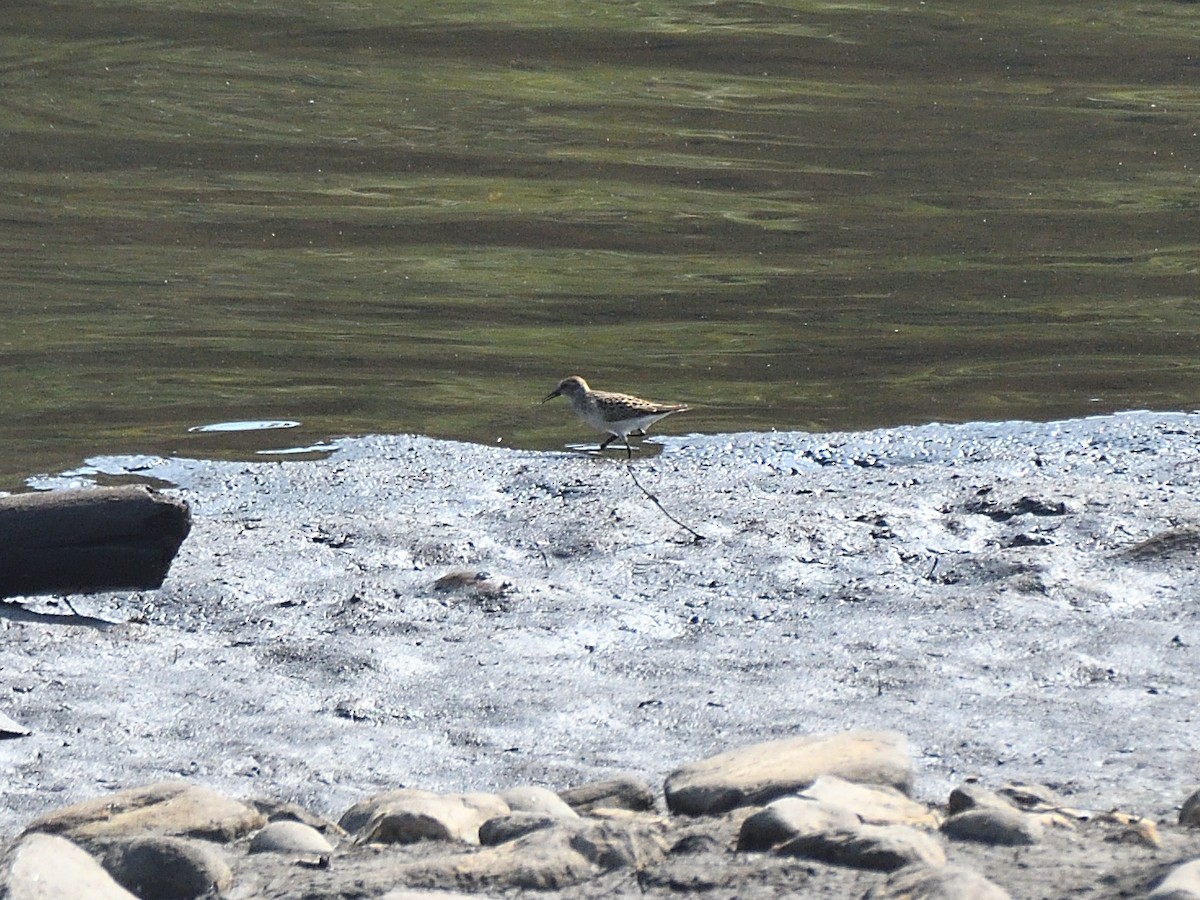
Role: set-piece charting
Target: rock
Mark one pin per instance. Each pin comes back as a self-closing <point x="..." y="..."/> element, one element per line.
<point x="880" y="848"/>
<point x="481" y="583"/>
<point x="783" y="819"/>
<point x="1142" y="832"/>
<point x="759" y="773"/>
<point x="1189" y="813"/>
<point x="1031" y="796"/>
<point x="1181" y="883"/>
<point x="89" y="540"/>
<point x="994" y="825"/>
<point x="280" y="811"/>
<point x="531" y="798"/>
<point x="620" y="845"/>
<point x="408" y="815"/>
<point x="507" y="828"/>
<point x="623" y="792"/>
<point x="543" y="860"/>
<point x="166" y="808"/>
<point x="974" y="796"/>
<point x="46" y="867"/>
<point x="697" y="844"/>
<point x="1167" y="544"/>
<point x="405" y="894"/>
<point x="936" y="883"/>
<point x="872" y="805"/>
<point x="1002" y="511"/>
<point x="168" y="868"/>
<point x="290" y="837"/>
<point x="570" y="852"/>
<point x="12" y="729"/>
<point x="533" y="808"/>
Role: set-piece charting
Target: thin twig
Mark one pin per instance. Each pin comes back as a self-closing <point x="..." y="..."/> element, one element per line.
<point x="697" y="537"/>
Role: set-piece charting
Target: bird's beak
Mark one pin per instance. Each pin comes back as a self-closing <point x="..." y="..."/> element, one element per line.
<point x="553" y="394"/>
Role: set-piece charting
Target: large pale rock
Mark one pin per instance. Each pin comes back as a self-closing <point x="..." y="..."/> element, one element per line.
<point x="783" y="819"/>
<point x="1181" y="883"/>
<point x="168" y="868"/>
<point x="936" y="883"/>
<point x="759" y="773"/>
<point x="533" y="808"/>
<point x="294" y="838"/>
<point x="622" y="792"/>
<point x="534" y="799"/>
<point x="166" y="808"/>
<point x="872" y="805"/>
<point x="286" y="811"/>
<point x="571" y="852"/>
<point x="880" y="848"/>
<point x="408" y="815"/>
<point x="46" y="867"/>
<point x="994" y="825"/>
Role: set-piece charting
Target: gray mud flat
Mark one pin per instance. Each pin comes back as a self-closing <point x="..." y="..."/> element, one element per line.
<point x="1019" y="599"/>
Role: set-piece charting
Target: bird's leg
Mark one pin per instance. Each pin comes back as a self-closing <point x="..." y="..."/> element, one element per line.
<point x="609" y="440"/>
<point x="628" y="449"/>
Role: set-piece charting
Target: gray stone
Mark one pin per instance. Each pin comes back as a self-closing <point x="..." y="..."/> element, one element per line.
<point x="408" y="815"/>
<point x="47" y="867"/>
<point x="405" y="894"/>
<point x="610" y="844"/>
<point x="880" y="848"/>
<point x="936" y="883"/>
<point x="973" y="796"/>
<point x="290" y="837"/>
<point x="1189" y="813"/>
<point x="994" y="825"/>
<point x="1030" y="795"/>
<point x="168" y="868"/>
<point x="783" y="819"/>
<point x="622" y="792"/>
<point x="165" y="808"/>
<point x="570" y="852"/>
<point x="481" y="583"/>
<point x="1181" y="883"/>
<point x="761" y="772"/>
<point x="501" y="829"/>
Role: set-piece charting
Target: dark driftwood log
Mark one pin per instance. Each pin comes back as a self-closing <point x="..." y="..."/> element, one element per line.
<point x="83" y="541"/>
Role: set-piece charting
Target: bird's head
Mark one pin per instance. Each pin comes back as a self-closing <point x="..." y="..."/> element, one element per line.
<point x="572" y="387"/>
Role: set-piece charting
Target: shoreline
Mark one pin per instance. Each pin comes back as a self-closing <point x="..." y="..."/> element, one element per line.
<point x="970" y="586"/>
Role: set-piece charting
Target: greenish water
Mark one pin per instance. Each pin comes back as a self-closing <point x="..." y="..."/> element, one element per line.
<point x="389" y="216"/>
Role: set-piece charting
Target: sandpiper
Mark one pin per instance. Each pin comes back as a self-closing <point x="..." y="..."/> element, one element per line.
<point x="619" y="415"/>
